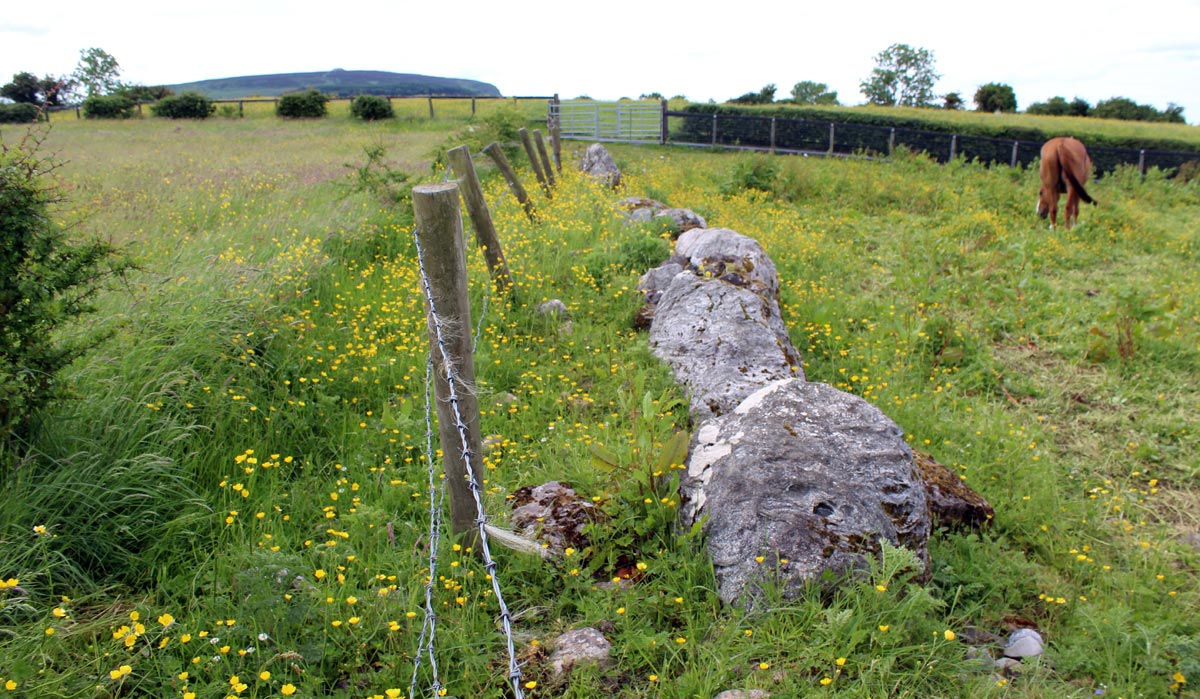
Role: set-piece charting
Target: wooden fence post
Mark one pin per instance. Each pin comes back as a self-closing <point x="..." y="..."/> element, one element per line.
<point x="545" y="157"/>
<point x="533" y="159"/>
<point x="494" y="152"/>
<point x="831" y="137"/>
<point x="440" y="233"/>
<point x="772" y="134"/>
<point x="1142" y="162"/>
<point x="662" y="129"/>
<point x="892" y="142"/>
<point x="481" y="218"/>
<point x="1016" y="145"/>
<point x="556" y="133"/>
<point x="714" y="129"/>
<point x="953" y="146"/>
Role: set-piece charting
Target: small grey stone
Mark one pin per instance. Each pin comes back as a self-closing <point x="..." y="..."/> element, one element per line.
<point x="1024" y="643"/>
<point x="553" y="309"/>
<point x="586" y="645"/>
<point x="744" y="694"/>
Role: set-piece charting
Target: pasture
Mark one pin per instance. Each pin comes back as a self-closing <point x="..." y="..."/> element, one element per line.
<point x="234" y="499"/>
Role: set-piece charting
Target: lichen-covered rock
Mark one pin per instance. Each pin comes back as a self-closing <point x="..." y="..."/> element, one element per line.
<point x="553" y="514"/>
<point x="681" y="220"/>
<point x="598" y="163"/>
<point x="580" y="646"/>
<point x="804" y="473"/>
<point x="952" y="503"/>
<point x="722" y="341"/>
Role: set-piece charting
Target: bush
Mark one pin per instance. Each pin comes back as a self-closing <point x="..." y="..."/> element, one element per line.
<point x="299" y="105"/>
<point x="108" y="107"/>
<point x="20" y="113"/>
<point x="46" y="280"/>
<point x="371" y="108"/>
<point x="189" y="105"/>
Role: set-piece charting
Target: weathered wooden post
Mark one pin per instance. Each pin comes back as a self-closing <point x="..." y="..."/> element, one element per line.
<point x="544" y="156"/>
<point x="431" y="106"/>
<point x="481" y="218"/>
<point x="1016" y="145"/>
<point x="662" y="128"/>
<point x="953" y="147"/>
<point x="772" y="134"/>
<point x="556" y="133"/>
<point x="892" y="142"/>
<point x="832" y="132"/>
<point x="448" y="315"/>
<point x="533" y="159"/>
<point x="510" y="176"/>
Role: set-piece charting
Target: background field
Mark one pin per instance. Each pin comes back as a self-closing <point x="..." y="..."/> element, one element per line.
<point x="235" y="501"/>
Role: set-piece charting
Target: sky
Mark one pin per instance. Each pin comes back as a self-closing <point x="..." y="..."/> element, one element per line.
<point x="1147" y="51"/>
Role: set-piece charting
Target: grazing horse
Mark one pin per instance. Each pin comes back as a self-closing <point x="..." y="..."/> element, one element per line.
<point x="1065" y="167"/>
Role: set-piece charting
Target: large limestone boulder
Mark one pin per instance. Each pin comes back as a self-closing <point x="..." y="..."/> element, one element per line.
<point x="804" y="473"/>
<point x="714" y="318"/>
<point x="598" y="163"/>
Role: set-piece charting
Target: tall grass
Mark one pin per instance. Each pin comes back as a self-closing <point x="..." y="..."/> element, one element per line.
<point x="237" y="495"/>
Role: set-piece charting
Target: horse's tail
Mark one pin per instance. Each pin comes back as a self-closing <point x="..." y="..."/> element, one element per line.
<point x="1070" y="176"/>
<point x="1078" y="187"/>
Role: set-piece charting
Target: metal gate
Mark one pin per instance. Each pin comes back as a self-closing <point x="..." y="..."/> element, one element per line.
<point x="627" y="120"/>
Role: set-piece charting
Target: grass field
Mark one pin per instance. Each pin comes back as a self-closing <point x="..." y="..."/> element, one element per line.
<point x="234" y="501"/>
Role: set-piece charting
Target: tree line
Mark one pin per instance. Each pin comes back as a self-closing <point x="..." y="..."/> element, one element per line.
<point x="905" y="76"/>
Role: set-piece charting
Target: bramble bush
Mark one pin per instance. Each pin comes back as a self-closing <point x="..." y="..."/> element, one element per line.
<point x="189" y="105"/>
<point x="371" y="108"/>
<point x="300" y="105"/>
<point x="46" y="280"/>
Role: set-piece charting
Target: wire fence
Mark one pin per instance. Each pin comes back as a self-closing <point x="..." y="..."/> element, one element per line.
<point x="781" y="135"/>
<point x="439" y="345"/>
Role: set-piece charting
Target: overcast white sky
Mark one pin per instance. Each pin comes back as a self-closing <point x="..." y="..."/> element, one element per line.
<point x="1148" y="51"/>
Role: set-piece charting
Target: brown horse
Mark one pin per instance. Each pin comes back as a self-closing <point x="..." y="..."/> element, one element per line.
<point x="1065" y="167"/>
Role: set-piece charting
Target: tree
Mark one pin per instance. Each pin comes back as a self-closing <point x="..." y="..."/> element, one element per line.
<point x="97" y="72"/>
<point x="952" y="100"/>
<point x="24" y="88"/>
<point x="27" y="88"/>
<point x="903" y="76"/>
<point x="764" y="96"/>
<point x="809" y="92"/>
<point x="995" y="97"/>
<point x="1055" y="106"/>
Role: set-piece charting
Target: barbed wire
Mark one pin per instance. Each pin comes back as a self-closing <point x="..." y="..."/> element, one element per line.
<point x="452" y="380"/>
<point x="436" y="501"/>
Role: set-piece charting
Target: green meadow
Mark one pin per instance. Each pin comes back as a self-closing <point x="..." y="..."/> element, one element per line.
<point x="233" y="497"/>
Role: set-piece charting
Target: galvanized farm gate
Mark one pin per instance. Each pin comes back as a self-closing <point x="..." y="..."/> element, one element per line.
<point x="627" y="120"/>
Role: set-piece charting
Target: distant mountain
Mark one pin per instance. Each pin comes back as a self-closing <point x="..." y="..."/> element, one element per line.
<point x="340" y="83"/>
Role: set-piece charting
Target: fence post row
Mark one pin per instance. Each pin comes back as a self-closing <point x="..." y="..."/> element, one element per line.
<point x="481" y="218"/>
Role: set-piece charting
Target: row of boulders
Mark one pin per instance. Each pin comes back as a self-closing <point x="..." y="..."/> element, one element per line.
<point x="782" y="470"/>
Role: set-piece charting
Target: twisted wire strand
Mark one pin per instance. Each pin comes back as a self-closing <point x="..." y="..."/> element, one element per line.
<point x="452" y="380"/>
<point x="437" y="498"/>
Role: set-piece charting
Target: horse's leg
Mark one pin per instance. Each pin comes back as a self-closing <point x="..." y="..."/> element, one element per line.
<point x="1072" y="206"/>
